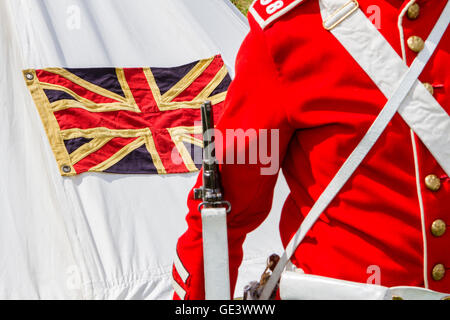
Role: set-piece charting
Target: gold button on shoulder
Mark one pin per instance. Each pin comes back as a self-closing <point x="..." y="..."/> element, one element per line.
<point x="429" y="87"/>
<point x="432" y="182"/>
<point x="415" y="43"/>
<point x="438" y="227"/>
<point x="413" y="11"/>
<point x="438" y="272"/>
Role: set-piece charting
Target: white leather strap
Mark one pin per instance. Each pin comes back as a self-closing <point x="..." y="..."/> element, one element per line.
<point x="351" y="164"/>
<point x="416" y="293"/>
<point x="374" y="54"/>
<point x="215" y="254"/>
<point x="296" y="286"/>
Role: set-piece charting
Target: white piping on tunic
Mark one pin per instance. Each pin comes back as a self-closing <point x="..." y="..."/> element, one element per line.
<point x="422" y="211"/>
<point x="416" y="160"/>
<point x="400" y="28"/>
<point x="178" y="289"/>
<point x="182" y="272"/>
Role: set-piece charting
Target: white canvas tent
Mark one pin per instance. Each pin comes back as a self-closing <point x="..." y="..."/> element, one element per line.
<point x="100" y="236"/>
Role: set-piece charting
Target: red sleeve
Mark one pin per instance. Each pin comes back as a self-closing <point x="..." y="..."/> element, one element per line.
<point x="255" y="102"/>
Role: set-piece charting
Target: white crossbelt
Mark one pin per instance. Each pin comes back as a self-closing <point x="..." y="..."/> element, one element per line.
<point x="375" y="55"/>
<point x="363" y="148"/>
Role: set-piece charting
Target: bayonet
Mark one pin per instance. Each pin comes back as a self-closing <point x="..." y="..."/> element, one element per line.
<point x="213" y="211"/>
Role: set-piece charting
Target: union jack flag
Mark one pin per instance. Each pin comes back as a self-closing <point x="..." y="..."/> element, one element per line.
<point x="127" y="120"/>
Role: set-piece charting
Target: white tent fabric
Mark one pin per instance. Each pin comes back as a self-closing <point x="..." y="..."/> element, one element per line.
<point x="100" y="236"/>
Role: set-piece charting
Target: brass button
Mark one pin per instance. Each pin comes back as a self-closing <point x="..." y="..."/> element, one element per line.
<point x="438" y="227"/>
<point x="432" y="182"/>
<point x="429" y="87"/>
<point x="415" y="43"/>
<point x="413" y="11"/>
<point x="438" y="272"/>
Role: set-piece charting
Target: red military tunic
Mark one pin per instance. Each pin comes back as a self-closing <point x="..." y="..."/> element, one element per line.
<point x="293" y="75"/>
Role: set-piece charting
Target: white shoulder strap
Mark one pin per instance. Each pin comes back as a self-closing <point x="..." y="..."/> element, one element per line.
<point x="374" y="54"/>
<point x="408" y="81"/>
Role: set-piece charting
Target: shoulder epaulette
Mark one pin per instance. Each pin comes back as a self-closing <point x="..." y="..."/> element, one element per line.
<point x="267" y="11"/>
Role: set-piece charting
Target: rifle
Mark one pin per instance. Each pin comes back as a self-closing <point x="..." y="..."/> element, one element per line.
<point x="210" y="192"/>
<point x="213" y="211"/>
